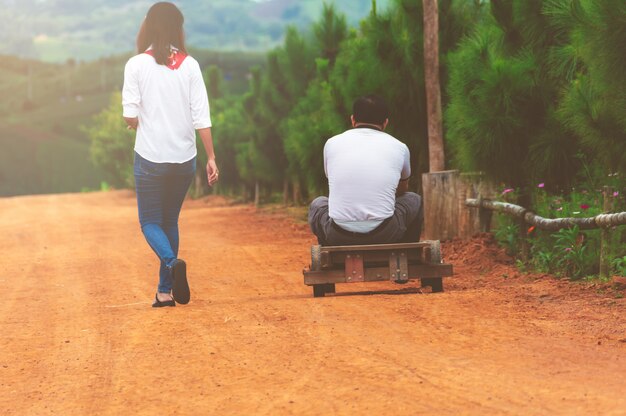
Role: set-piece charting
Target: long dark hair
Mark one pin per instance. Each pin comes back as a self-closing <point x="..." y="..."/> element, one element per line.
<point x="162" y="28"/>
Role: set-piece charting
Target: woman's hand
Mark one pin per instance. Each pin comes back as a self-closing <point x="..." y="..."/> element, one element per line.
<point x="212" y="172"/>
<point x="132" y="123"/>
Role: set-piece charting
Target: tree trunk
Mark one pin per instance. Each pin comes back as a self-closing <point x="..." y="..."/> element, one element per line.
<point x="436" y="155"/>
<point x="285" y="192"/>
<point x="296" y="192"/>
<point x="257" y="196"/>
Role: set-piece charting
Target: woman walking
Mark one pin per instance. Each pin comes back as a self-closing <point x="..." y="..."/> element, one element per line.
<point x="165" y="101"/>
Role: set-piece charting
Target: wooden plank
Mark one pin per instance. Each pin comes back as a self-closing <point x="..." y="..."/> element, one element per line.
<point x="325" y="259"/>
<point x="354" y="268"/>
<point x="378" y="247"/>
<point x="398" y="267"/>
<point x="338" y="258"/>
<point x="425" y="255"/>
<point x="374" y="274"/>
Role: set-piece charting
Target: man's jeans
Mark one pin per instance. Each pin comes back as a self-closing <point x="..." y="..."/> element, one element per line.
<point x="161" y="190"/>
<point x="404" y="226"/>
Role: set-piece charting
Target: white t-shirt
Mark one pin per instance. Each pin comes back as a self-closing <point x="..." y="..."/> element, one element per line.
<point x="364" y="167"/>
<point x="170" y="104"/>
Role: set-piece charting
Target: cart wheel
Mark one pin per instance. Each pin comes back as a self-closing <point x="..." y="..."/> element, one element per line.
<point x="436" y="283"/>
<point x="316" y="258"/>
<point x="435" y="251"/>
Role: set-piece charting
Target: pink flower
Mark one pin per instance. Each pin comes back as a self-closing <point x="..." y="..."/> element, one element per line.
<point x="616" y="193"/>
<point x="507" y="190"/>
<point x="541" y="185"/>
<point x="559" y="209"/>
<point x="568" y="249"/>
<point x="584" y="206"/>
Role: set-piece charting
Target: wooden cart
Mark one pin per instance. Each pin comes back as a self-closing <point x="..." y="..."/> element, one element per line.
<point x="368" y="263"/>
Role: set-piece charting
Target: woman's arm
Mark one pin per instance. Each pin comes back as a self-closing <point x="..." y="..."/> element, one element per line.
<point x="131" y="122"/>
<point x="131" y="97"/>
<point x="212" y="171"/>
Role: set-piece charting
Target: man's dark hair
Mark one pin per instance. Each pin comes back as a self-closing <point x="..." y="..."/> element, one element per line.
<point x="370" y="109"/>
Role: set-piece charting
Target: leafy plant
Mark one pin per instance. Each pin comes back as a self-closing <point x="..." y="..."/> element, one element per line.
<point x="619" y="266"/>
<point x="507" y="236"/>
<point x="571" y="252"/>
<point x="112" y="144"/>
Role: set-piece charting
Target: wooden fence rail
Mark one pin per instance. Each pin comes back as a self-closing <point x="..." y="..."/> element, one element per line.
<point x="549" y="224"/>
<point x="525" y="216"/>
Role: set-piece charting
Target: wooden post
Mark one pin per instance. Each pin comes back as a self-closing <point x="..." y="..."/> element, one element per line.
<point x="484" y="217"/>
<point x="473" y="221"/>
<point x="445" y="214"/>
<point x="605" y="235"/>
<point x="441" y="207"/>
<point x="433" y="90"/>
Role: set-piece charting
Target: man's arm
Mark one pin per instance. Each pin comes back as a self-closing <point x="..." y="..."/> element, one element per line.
<point x="403" y="186"/>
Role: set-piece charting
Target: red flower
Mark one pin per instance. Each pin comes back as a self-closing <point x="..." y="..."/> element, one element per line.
<point x="584" y="206"/>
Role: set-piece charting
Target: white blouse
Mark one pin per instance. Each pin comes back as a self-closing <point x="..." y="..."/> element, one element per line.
<point x="170" y="105"/>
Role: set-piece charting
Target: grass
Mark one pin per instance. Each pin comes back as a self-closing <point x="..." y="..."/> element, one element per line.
<point x="44" y="149"/>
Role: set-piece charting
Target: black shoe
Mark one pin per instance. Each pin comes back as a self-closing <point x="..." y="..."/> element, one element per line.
<point x="158" y="304"/>
<point x="180" y="288"/>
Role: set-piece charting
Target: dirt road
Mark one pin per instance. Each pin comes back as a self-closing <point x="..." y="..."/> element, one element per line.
<point x="79" y="336"/>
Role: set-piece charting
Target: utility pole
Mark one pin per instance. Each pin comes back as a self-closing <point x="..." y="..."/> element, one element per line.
<point x="436" y="155"/>
<point x="439" y="187"/>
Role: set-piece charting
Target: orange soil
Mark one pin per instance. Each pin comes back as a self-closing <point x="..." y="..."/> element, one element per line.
<point x="79" y="336"/>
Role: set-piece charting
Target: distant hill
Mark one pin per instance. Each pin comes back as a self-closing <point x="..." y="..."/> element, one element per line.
<point x="43" y="107"/>
<point x="56" y="30"/>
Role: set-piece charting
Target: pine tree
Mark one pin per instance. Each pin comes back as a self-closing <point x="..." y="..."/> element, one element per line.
<point x="594" y="105"/>
<point x="502" y="99"/>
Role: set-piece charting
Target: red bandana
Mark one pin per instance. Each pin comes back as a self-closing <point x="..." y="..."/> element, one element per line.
<point x="174" y="61"/>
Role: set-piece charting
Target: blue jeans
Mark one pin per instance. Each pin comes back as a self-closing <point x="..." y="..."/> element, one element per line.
<point x="161" y="190"/>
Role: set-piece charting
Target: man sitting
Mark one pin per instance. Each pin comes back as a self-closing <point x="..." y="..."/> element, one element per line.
<point x="368" y="173"/>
